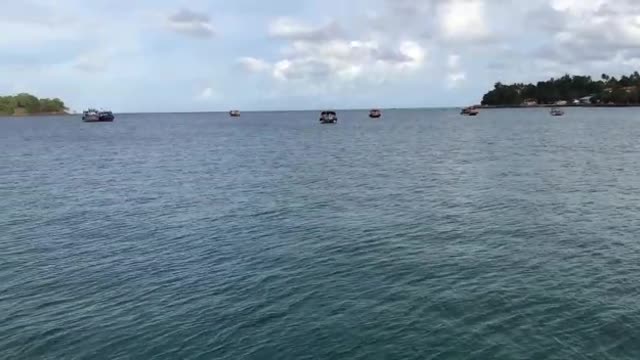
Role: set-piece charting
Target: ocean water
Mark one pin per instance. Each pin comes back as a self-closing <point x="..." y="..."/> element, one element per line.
<point x="422" y="235"/>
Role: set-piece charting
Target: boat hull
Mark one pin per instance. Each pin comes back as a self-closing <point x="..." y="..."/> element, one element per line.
<point x="470" y="111"/>
<point x="98" y="118"/>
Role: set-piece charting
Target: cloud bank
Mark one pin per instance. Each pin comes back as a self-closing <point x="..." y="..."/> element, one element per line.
<point x="154" y="56"/>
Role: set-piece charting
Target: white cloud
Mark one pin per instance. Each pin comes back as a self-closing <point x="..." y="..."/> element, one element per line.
<point x="281" y="68"/>
<point x="590" y="32"/>
<point x="577" y="6"/>
<point x="252" y="64"/>
<point x="91" y="63"/>
<point x="292" y="29"/>
<point x="191" y="23"/>
<point x="26" y="34"/>
<point x="414" y="54"/>
<point x="453" y="61"/>
<point x="455" y="79"/>
<point x="207" y="94"/>
<point x="317" y="54"/>
<point x="54" y="47"/>
<point x="463" y="20"/>
<point x="455" y="76"/>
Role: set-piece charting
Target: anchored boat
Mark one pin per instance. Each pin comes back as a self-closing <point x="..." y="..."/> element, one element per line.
<point x="93" y="115"/>
<point x="556" y="112"/>
<point x="328" y="117"/>
<point x="375" y="114"/>
<point x="234" y="113"/>
<point x="470" y="111"/>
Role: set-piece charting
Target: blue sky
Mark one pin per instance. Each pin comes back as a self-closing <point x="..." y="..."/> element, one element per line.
<point x="169" y="55"/>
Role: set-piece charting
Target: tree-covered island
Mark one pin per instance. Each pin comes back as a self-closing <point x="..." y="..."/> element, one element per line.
<point x="568" y="90"/>
<point x="27" y="104"/>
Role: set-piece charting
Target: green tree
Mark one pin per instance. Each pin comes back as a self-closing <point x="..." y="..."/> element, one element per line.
<point x="528" y="92"/>
<point x="625" y="81"/>
<point x="51" y="105"/>
<point x="633" y="96"/>
<point x="30" y="103"/>
<point x="619" y="96"/>
<point x="27" y="103"/>
<point x="568" y="88"/>
<point x="503" y="95"/>
<point x="7" y="105"/>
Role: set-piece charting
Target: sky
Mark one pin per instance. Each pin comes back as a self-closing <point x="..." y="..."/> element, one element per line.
<point x="210" y="55"/>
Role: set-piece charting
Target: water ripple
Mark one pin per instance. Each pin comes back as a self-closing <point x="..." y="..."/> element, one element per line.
<point x="423" y="236"/>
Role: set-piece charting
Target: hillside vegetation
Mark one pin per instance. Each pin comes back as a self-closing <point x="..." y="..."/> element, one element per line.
<point x="27" y="104"/>
<point x="606" y="90"/>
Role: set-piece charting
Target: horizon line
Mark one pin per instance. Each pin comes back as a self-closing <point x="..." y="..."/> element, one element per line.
<point x="284" y="110"/>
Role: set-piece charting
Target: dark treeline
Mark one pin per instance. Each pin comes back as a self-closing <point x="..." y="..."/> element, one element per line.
<point x="606" y="90"/>
<point x="27" y="104"/>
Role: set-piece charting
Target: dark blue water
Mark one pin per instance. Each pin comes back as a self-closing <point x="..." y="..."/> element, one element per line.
<point x="423" y="235"/>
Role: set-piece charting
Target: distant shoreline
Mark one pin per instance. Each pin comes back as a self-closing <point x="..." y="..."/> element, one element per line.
<point x="557" y="106"/>
<point x="25" y="104"/>
<point x="36" y="114"/>
<point x="541" y="106"/>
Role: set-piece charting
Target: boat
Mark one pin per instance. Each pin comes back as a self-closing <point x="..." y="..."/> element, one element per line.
<point x="470" y="111"/>
<point x="93" y="115"/>
<point x="556" y="112"/>
<point x="328" y="117"/>
<point x="375" y="114"/>
<point x="234" y="113"/>
<point x="90" y="115"/>
<point x="106" y="116"/>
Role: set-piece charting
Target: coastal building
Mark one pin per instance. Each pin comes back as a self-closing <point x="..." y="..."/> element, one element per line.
<point x="530" y="102"/>
<point x="561" y="102"/>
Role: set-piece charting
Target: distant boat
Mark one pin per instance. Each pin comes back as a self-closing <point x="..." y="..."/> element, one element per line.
<point x="328" y="117"/>
<point x="93" y="115"/>
<point x="470" y="111"/>
<point x="375" y="113"/>
<point x="556" y="112"/>
<point x="234" y="113"/>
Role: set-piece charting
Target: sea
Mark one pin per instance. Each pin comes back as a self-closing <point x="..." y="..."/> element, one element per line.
<point x="420" y="235"/>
